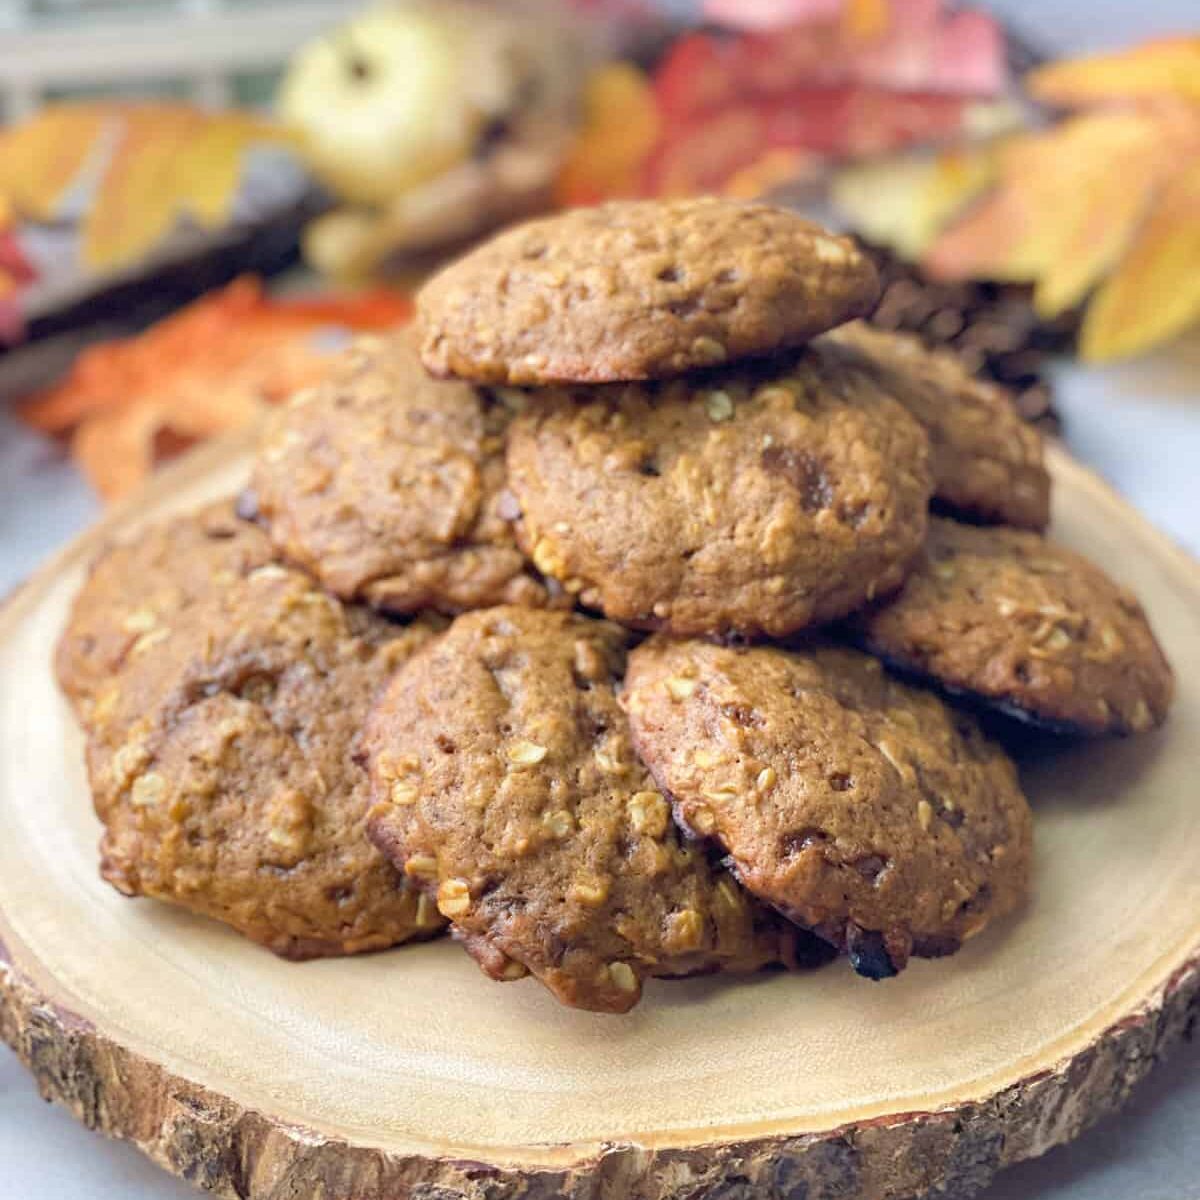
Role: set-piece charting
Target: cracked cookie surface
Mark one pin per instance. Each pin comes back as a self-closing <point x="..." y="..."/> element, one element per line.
<point x="639" y="290"/>
<point x="137" y="585"/>
<point x="226" y="777"/>
<point x="862" y="808"/>
<point x="388" y="486"/>
<point x="507" y="788"/>
<point x="1027" y="625"/>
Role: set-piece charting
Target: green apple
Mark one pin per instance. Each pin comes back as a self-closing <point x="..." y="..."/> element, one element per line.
<point x="382" y="102"/>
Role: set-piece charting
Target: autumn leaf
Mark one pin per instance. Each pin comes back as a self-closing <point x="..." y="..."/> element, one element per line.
<point x="905" y="202"/>
<point x="41" y="158"/>
<point x="140" y="168"/>
<point x="1155" y="293"/>
<point x="138" y="199"/>
<point x="865" y="19"/>
<point x="620" y="128"/>
<point x="777" y="168"/>
<point x="170" y="161"/>
<point x="213" y="161"/>
<point x="1069" y="202"/>
<point x="1166" y="67"/>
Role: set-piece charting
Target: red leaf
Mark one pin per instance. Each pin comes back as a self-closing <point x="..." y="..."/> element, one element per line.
<point x="697" y="73"/>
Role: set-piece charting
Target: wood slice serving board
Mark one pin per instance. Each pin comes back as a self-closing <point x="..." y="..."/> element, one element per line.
<point x="408" y="1074"/>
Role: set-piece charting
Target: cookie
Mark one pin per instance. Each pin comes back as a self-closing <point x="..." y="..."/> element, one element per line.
<point x="987" y="460"/>
<point x="754" y="501"/>
<point x="506" y="787"/>
<point x="225" y="773"/>
<point x="860" y="807"/>
<point x="639" y="289"/>
<point x="136" y="586"/>
<point x="1026" y="625"/>
<point x="388" y="486"/>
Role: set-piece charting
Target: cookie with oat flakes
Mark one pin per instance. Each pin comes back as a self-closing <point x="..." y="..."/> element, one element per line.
<point x="226" y="773"/>
<point x="507" y="788"/>
<point x="639" y="289"/>
<point x="1028" y="626"/>
<point x="137" y="586"/>
<point x="860" y="807"/>
<point x="754" y="501"/>
<point x="987" y="461"/>
<point x="389" y="487"/>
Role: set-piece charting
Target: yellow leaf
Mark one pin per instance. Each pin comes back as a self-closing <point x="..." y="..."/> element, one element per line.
<point x="1069" y="201"/>
<point x="1155" y="293"/>
<point x="170" y="160"/>
<point x="1165" y="67"/>
<point x="620" y="128"/>
<point x="137" y="201"/>
<point x="211" y="167"/>
<point x="41" y="158"/>
<point x="1115" y="188"/>
<point x="213" y="161"/>
<point x="905" y="202"/>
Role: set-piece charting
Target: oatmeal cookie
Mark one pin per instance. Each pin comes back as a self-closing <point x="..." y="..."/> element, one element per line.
<point x="1026" y="625"/>
<point x="506" y="787"/>
<point x="860" y="807"/>
<point x="135" y="587"/>
<point x="755" y="501"/>
<point x="226" y="777"/>
<point x="639" y="289"/>
<point x="987" y="461"/>
<point x="388" y="486"/>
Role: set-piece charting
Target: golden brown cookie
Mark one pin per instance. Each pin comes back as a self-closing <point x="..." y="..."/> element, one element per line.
<point x="860" y="807"/>
<point x="134" y="587"/>
<point x="987" y="460"/>
<point x="224" y="769"/>
<point x="639" y="289"/>
<point x="757" y="500"/>
<point x="506" y="787"/>
<point x="388" y="486"/>
<point x="1025" y="625"/>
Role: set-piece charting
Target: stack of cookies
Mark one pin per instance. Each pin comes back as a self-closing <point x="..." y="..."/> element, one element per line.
<point x="604" y="618"/>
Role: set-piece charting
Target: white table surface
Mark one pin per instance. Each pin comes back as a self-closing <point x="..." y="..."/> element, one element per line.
<point x="1138" y="425"/>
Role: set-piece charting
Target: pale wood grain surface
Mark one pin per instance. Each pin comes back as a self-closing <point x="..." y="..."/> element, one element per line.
<point x="414" y="1054"/>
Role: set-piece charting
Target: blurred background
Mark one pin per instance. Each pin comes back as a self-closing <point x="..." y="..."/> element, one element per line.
<point x="201" y="201"/>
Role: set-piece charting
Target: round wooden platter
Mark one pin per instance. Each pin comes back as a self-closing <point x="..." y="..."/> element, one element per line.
<point x="409" y="1074"/>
